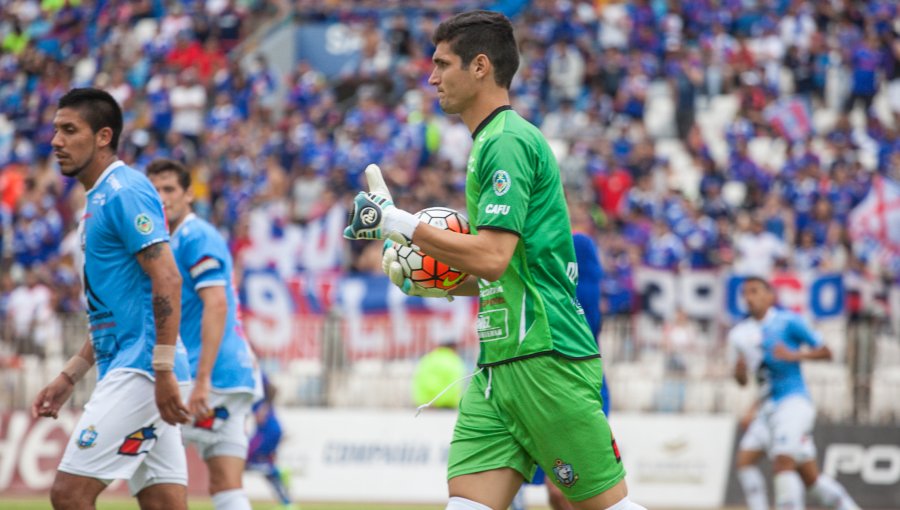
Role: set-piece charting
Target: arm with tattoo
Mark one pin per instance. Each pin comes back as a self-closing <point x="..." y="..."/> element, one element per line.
<point x="159" y="264"/>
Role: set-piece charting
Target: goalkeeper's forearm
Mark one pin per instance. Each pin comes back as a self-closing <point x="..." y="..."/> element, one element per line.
<point x="469" y="287"/>
<point x="485" y="255"/>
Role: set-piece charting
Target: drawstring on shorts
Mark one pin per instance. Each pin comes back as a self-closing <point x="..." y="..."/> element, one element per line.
<point x="454" y="383"/>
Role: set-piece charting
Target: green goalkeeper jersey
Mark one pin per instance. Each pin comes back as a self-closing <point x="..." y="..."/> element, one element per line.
<point x="513" y="184"/>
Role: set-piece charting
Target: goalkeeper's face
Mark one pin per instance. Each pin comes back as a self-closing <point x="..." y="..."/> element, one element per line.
<point x="176" y="200"/>
<point x="456" y="86"/>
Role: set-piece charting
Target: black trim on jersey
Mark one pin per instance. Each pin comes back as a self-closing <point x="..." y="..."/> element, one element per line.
<point x="501" y="229"/>
<point x="489" y="118"/>
<point x="536" y="354"/>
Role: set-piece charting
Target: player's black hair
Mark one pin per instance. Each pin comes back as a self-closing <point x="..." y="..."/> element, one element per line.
<point x="163" y="165"/>
<point x="759" y="279"/>
<point x="473" y="33"/>
<point x="98" y="109"/>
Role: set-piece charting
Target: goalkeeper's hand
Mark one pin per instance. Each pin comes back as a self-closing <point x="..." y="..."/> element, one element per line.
<point x="374" y="215"/>
<point x="391" y="267"/>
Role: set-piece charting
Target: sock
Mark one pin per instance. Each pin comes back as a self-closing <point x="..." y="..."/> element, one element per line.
<point x="457" y="503"/>
<point x="626" y="504"/>
<point x="832" y="494"/>
<point x="789" y="491"/>
<point x="233" y="499"/>
<point x="274" y="478"/>
<point x="754" y="486"/>
<point x="518" y="502"/>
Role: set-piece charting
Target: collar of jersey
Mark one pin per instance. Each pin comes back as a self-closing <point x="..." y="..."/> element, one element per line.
<point x="190" y="216"/>
<point x="487" y="120"/>
<point x="112" y="166"/>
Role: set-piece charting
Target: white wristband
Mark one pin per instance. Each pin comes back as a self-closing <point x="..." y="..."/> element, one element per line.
<point x="163" y="358"/>
<point x="400" y="221"/>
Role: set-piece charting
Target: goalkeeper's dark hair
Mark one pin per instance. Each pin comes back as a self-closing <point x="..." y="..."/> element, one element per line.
<point x="98" y="109"/>
<point x="470" y="34"/>
<point x="163" y="165"/>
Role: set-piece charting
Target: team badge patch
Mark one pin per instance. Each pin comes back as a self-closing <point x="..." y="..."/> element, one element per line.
<point x="502" y="182"/>
<point x="564" y="473"/>
<point x="138" y="442"/>
<point x="208" y="422"/>
<point x="143" y="223"/>
<point x="86" y="438"/>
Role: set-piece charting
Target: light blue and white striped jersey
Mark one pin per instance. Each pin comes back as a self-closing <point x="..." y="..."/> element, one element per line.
<point x="204" y="261"/>
<point x="123" y="216"/>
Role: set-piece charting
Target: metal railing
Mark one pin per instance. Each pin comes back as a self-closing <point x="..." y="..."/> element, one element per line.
<point x="647" y="370"/>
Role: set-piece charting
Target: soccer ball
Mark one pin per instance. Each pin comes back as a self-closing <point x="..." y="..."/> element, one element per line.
<point x="424" y="270"/>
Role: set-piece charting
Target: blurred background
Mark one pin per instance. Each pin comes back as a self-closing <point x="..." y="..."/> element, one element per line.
<point x="698" y="141"/>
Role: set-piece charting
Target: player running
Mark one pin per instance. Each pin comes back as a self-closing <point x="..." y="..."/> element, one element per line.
<point x="769" y="344"/>
<point x="222" y="364"/>
<point x="129" y="426"/>
<point x="264" y="445"/>
<point x="535" y="344"/>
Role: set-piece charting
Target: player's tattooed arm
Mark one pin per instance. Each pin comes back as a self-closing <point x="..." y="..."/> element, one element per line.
<point x="159" y="264"/>
<point x="162" y="309"/>
<point x="151" y="252"/>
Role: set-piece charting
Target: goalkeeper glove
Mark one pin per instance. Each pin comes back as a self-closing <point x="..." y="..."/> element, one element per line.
<point x="391" y="267"/>
<point x="374" y="215"/>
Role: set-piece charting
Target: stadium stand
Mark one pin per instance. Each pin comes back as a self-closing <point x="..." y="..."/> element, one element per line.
<point x="679" y="126"/>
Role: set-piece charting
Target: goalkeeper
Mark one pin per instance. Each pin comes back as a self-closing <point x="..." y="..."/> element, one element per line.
<point x="536" y="398"/>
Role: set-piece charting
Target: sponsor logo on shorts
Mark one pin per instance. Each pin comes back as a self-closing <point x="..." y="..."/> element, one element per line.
<point x="143" y="224"/>
<point x="86" y="438"/>
<point x="502" y="182"/>
<point x="208" y="422"/>
<point x="565" y="475"/>
<point x="138" y="442"/>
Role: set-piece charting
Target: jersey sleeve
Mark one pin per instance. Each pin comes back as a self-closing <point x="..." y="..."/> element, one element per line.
<point x="139" y="219"/>
<point x="204" y="263"/>
<point x="506" y="177"/>
<point x="801" y="332"/>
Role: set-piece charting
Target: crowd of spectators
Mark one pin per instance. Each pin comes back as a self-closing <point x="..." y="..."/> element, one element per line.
<point x="297" y="142"/>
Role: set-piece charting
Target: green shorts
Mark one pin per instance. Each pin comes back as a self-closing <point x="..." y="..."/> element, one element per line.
<point x="544" y="410"/>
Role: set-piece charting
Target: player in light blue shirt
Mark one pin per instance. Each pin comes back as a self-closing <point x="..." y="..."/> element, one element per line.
<point x="771" y="343"/>
<point x="224" y="368"/>
<point x="133" y="290"/>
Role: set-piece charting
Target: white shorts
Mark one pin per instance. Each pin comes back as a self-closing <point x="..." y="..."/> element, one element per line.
<point x="121" y="436"/>
<point x="783" y="428"/>
<point x="224" y="432"/>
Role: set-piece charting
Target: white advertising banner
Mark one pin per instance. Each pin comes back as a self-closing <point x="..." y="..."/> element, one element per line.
<point x="675" y="461"/>
<point x="363" y="455"/>
<point x="392" y="457"/>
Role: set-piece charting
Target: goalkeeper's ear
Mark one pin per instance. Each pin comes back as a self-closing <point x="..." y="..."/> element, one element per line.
<point x="376" y="181"/>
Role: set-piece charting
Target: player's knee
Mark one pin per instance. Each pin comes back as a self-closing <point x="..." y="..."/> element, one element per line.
<point x="61" y="498"/>
<point x="225" y="473"/>
<point x="784" y="462"/>
<point x="68" y="495"/>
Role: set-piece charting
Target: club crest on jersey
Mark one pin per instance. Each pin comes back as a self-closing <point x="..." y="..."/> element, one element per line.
<point x="564" y="473"/>
<point x="143" y="223"/>
<point x="86" y="438"/>
<point x="208" y="422"/>
<point x="502" y="182"/>
<point x="138" y="442"/>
